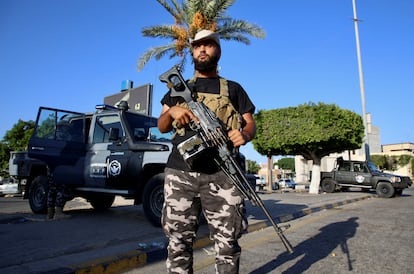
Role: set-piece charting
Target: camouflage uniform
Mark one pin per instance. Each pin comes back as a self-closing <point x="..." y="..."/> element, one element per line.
<point x="56" y="195"/>
<point x="186" y="194"/>
<point x="200" y="186"/>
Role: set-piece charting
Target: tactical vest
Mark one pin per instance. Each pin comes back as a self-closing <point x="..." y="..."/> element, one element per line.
<point x="220" y="105"/>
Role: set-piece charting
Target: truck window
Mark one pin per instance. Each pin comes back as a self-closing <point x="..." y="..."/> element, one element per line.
<point x="360" y="167"/>
<point x="76" y="130"/>
<point x="46" y="124"/>
<point x="60" y="125"/>
<point x="357" y="168"/>
<point x="345" y="167"/>
<point x="102" y="126"/>
<point x="365" y="169"/>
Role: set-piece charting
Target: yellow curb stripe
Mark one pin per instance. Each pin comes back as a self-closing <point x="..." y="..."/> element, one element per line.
<point x="113" y="264"/>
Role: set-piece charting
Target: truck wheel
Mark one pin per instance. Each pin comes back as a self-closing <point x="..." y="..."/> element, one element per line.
<point x="102" y="202"/>
<point x="328" y="185"/>
<point x="38" y="194"/>
<point x="153" y="199"/>
<point x="385" y="190"/>
<point x="398" y="192"/>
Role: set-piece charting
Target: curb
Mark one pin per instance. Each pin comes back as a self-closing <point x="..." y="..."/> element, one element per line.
<point x="138" y="258"/>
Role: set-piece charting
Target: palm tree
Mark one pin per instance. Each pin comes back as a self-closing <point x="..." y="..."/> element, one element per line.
<point x="190" y="16"/>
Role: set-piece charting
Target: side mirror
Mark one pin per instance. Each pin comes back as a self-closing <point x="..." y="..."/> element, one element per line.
<point x="113" y="134"/>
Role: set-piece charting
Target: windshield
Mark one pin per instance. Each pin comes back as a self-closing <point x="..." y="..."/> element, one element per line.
<point x="373" y="167"/>
<point x="157" y="136"/>
<point x="144" y="128"/>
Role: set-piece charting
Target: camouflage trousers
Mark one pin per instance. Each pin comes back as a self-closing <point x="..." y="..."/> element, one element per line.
<point x="56" y="195"/>
<point x="186" y="195"/>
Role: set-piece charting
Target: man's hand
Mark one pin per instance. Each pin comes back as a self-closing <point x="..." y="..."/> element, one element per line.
<point x="181" y="116"/>
<point x="238" y="138"/>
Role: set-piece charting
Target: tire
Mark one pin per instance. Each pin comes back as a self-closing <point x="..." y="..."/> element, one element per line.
<point x="38" y="194"/>
<point x="328" y="185"/>
<point x="153" y="199"/>
<point x="398" y="192"/>
<point x="101" y="202"/>
<point x="385" y="190"/>
<point x="275" y="186"/>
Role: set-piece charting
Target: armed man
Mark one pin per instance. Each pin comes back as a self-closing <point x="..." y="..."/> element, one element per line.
<point x="200" y="185"/>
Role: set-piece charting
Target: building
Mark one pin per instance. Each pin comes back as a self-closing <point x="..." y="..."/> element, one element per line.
<point x="399" y="150"/>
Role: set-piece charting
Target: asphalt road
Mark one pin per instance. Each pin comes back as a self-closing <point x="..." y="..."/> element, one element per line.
<point x="101" y="239"/>
<point x="370" y="236"/>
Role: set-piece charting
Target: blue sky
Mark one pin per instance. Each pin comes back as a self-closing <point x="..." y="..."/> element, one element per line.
<point x="70" y="54"/>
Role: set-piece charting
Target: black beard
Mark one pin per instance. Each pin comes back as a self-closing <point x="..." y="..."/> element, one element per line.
<point x="206" y="66"/>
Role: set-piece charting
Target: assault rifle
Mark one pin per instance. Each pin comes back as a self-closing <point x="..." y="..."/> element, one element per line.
<point x="211" y="135"/>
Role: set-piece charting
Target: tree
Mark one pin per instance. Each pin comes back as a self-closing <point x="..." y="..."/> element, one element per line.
<point x="381" y="161"/>
<point x="252" y="167"/>
<point x="412" y="166"/>
<point x="404" y="160"/>
<point x="286" y="163"/>
<point x="390" y="162"/>
<point x="310" y="130"/>
<point x="4" y="158"/>
<point x="190" y="16"/>
<point x="15" y="139"/>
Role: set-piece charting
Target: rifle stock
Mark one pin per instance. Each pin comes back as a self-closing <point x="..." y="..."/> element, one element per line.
<point x="210" y="134"/>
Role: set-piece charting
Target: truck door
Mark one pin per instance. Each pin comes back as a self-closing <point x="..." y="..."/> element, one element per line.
<point x="105" y="136"/>
<point x="361" y="174"/>
<point x="344" y="174"/>
<point x="59" y="141"/>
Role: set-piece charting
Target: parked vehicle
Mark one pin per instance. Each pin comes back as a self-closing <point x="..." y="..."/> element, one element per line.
<point x="275" y="186"/>
<point x="256" y="181"/>
<point x="286" y="183"/>
<point x="112" y="151"/>
<point x="8" y="186"/>
<point x="365" y="175"/>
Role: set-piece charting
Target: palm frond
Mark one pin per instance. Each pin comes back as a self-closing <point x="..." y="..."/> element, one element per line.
<point x="156" y="52"/>
<point x="194" y="5"/>
<point x="169" y="8"/>
<point x="238" y="38"/>
<point x="160" y="31"/>
<point x="230" y="27"/>
<point x="182" y="19"/>
<point x="189" y="16"/>
<point x="216" y="9"/>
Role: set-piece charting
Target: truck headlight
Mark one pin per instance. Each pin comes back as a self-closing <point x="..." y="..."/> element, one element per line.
<point x="396" y="179"/>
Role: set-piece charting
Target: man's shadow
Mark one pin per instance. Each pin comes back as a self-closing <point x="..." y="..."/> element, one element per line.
<point x="316" y="248"/>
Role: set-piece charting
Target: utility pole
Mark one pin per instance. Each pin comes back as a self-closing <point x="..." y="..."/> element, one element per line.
<point x="365" y="144"/>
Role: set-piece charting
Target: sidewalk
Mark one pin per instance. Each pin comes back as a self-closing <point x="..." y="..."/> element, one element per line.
<point x="117" y="248"/>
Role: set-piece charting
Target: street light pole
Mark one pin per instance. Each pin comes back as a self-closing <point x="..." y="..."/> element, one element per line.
<point x="365" y="145"/>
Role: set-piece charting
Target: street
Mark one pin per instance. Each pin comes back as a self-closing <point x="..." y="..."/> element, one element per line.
<point x="370" y="236"/>
<point x="331" y="233"/>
